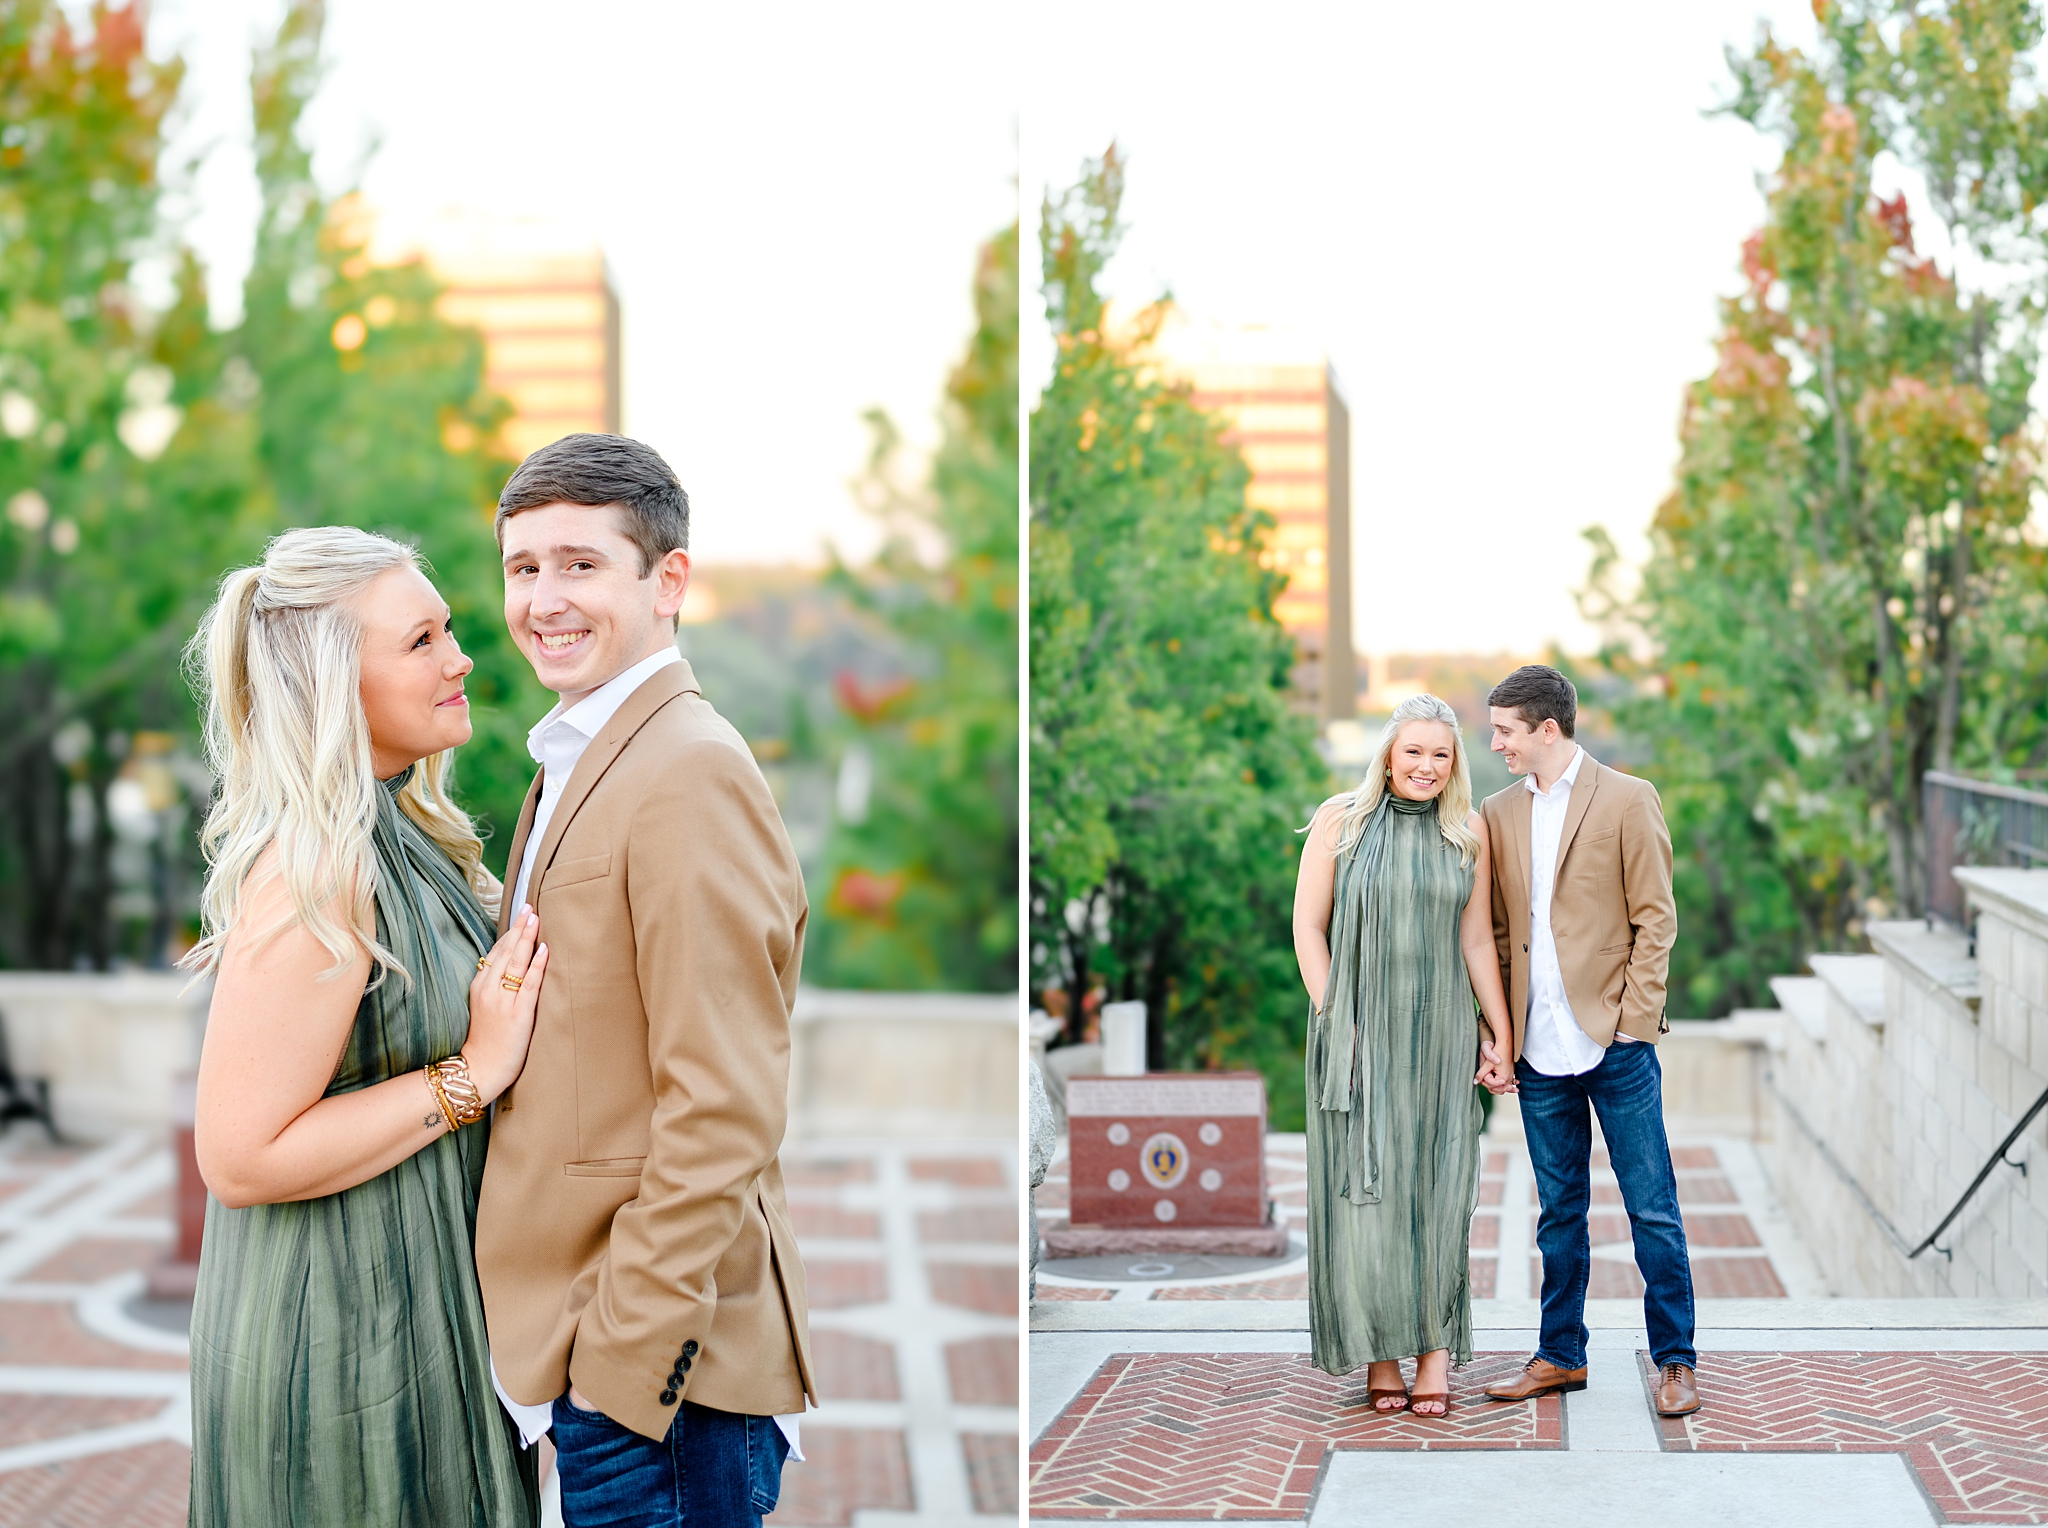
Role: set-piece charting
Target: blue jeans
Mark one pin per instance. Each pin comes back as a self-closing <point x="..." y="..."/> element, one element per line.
<point x="1627" y="1088"/>
<point x="715" y="1469"/>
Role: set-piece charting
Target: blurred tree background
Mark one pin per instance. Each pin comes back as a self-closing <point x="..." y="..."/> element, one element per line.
<point x="1844" y="589"/>
<point x="143" y="452"/>
<point x="920" y="875"/>
<point x="1170" y="769"/>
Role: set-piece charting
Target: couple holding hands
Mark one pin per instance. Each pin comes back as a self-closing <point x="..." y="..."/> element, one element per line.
<point x="1548" y="912"/>
<point x="488" y="1161"/>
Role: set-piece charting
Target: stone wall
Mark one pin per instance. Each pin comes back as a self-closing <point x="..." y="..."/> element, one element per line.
<point x="905" y="1064"/>
<point x="1901" y="1070"/>
<point x="863" y="1064"/>
<point x="1713" y="1079"/>
<point x="108" y="1045"/>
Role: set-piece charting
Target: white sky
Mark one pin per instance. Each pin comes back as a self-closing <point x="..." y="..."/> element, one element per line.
<point x="790" y="197"/>
<point x="1507" y="223"/>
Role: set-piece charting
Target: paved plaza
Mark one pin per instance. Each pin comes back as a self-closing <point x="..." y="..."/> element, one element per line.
<point x="1177" y="1389"/>
<point x="912" y="1260"/>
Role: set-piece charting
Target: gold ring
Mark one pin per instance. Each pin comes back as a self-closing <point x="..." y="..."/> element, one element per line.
<point x="511" y="983"/>
<point x="482" y="961"/>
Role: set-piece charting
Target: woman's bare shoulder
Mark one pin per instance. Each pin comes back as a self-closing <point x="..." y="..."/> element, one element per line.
<point x="1322" y="828"/>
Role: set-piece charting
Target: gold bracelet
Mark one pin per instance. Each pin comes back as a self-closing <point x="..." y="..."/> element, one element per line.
<point x="440" y="1096"/>
<point x="460" y="1089"/>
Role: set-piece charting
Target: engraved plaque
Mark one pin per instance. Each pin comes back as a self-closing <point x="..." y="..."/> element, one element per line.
<point x="1179" y="1148"/>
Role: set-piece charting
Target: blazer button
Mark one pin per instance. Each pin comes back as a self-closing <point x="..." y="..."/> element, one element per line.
<point x="690" y="1348"/>
<point x="668" y="1397"/>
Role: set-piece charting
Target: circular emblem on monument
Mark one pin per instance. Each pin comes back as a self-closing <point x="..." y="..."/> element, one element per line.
<point x="1164" y="1210"/>
<point x="1119" y="1179"/>
<point x="1164" y="1160"/>
<point x="1119" y="1133"/>
<point x="1211" y="1179"/>
<point x="1210" y="1133"/>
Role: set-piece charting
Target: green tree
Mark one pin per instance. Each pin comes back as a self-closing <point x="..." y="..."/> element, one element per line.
<point x="142" y="452"/>
<point x="371" y="410"/>
<point x="124" y="473"/>
<point x="1169" y="768"/>
<point x="1840" y="593"/>
<point x="922" y="876"/>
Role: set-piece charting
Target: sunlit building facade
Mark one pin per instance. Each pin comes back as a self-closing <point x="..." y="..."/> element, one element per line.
<point x="1290" y="421"/>
<point x="544" y="302"/>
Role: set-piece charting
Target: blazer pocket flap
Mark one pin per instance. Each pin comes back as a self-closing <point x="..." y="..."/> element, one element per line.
<point x="568" y="872"/>
<point x="606" y="1167"/>
<point x="1594" y="835"/>
<point x="1619" y="949"/>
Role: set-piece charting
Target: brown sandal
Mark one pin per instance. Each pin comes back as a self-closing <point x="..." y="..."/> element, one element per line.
<point x="1374" y="1397"/>
<point x="1441" y="1397"/>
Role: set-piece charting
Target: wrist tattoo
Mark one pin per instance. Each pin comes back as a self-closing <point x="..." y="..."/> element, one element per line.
<point x="432" y="1120"/>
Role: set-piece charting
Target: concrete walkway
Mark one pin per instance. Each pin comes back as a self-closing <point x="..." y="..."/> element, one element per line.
<point x="1184" y="1400"/>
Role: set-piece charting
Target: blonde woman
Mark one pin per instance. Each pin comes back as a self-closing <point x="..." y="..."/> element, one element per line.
<point x="1394" y="947"/>
<point x="362" y="1018"/>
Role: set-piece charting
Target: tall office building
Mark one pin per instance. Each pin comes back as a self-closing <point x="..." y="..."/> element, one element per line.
<point x="1288" y="418"/>
<point x="543" y="300"/>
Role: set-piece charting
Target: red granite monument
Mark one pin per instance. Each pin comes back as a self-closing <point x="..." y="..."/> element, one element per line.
<point x="1168" y="1162"/>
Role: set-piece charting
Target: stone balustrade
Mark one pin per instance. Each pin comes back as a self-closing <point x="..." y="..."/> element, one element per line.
<point x="1902" y="1070"/>
<point x="897" y="1065"/>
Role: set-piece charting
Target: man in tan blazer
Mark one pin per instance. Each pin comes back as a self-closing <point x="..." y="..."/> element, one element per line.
<point x="640" y="1278"/>
<point x="1584" y="921"/>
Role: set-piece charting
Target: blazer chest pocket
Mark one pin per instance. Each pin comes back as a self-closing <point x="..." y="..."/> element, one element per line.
<point x="605" y="1167"/>
<point x="594" y="867"/>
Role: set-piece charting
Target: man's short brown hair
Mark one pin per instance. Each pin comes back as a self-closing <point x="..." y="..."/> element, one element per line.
<point x="1538" y="693"/>
<point x="600" y="470"/>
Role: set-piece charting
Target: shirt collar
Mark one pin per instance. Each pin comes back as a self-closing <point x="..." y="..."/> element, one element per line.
<point x="1568" y="779"/>
<point x="589" y="715"/>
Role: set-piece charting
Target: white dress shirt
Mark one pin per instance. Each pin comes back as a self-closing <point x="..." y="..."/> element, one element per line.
<point x="557" y="742"/>
<point x="1552" y="1042"/>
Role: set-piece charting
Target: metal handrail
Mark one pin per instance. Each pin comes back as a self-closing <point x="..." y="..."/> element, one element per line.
<point x="1848" y="1178"/>
<point x="1988" y="788"/>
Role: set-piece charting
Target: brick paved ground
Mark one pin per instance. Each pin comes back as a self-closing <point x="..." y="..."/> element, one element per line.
<point x="1973" y="1426"/>
<point x="1220" y="1415"/>
<point x="1729" y="1260"/>
<point x="1243" y="1435"/>
<point x="912" y="1262"/>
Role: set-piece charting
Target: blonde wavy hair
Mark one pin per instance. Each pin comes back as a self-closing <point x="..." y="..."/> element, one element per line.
<point x="278" y="664"/>
<point x="1454" y="801"/>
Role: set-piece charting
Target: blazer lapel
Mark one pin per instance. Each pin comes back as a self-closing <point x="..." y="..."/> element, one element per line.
<point x="661" y="687"/>
<point x="518" y="848"/>
<point x="1582" y="800"/>
<point x="1516" y="849"/>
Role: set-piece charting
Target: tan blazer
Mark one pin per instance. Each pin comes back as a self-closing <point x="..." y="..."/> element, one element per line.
<point x="1611" y="910"/>
<point x="632" y="1208"/>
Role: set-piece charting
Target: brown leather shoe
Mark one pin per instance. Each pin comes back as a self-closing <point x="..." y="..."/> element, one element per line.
<point x="1539" y="1376"/>
<point x="1677" y="1396"/>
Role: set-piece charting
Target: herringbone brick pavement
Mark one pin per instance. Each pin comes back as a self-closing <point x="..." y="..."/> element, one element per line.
<point x="142" y="1487"/>
<point x="838" y="1283"/>
<point x="846" y="1469"/>
<point x="1244" y="1435"/>
<point x="1973" y="1426"/>
<point x="992" y="1471"/>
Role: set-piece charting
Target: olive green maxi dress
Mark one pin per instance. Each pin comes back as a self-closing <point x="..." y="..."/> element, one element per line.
<point x="1393" y="1117"/>
<point x="340" y="1376"/>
